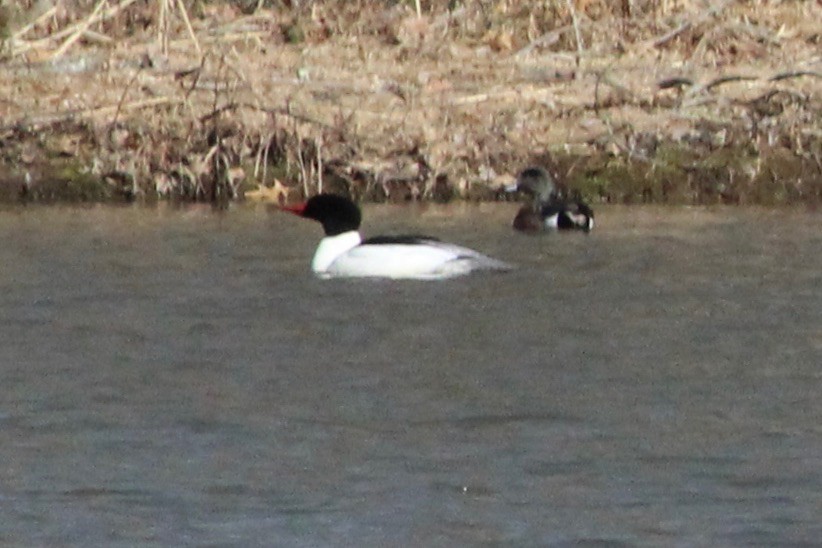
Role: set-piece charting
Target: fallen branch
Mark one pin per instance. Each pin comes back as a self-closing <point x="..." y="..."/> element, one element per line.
<point x="796" y="74"/>
<point x="665" y="38"/>
<point x="675" y="83"/>
<point x="727" y="79"/>
<point x="51" y="119"/>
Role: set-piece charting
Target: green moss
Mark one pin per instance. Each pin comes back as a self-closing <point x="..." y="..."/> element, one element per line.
<point x="677" y="173"/>
<point x="64" y="183"/>
<point x="294" y="33"/>
<point x="79" y="184"/>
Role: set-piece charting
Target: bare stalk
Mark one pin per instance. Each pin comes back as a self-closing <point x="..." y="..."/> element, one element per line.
<point x="577" y="33"/>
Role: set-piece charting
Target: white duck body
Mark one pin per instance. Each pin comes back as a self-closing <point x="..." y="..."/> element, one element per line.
<point x="342" y="253"/>
<point x="424" y="259"/>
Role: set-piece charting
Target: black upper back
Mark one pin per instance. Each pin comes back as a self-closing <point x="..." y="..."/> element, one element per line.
<point x="402" y="239"/>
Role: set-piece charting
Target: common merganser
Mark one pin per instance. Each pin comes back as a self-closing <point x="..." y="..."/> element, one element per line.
<point x="343" y="253"/>
<point x="548" y="209"/>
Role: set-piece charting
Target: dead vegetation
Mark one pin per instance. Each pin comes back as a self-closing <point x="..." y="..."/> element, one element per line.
<point x="680" y="101"/>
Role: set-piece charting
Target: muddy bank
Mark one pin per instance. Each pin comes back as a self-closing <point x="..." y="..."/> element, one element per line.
<point x="226" y="102"/>
<point x="721" y="165"/>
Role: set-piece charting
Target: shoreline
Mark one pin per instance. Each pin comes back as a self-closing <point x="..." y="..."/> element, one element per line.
<point x="668" y="107"/>
<point x="678" y="175"/>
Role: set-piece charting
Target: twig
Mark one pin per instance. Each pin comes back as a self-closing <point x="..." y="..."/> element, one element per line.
<point x="162" y="25"/>
<point x="220" y="68"/>
<point x="198" y="72"/>
<point x="319" y="144"/>
<point x="211" y="152"/>
<point x="667" y="37"/>
<point x="577" y="34"/>
<point x="504" y="95"/>
<point x="676" y="82"/>
<point x="796" y="74"/>
<point x="189" y="28"/>
<point x="726" y="79"/>
<point x="74" y="32"/>
<point x="300" y="159"/>
<point x="79" y="32"/>
<point x="49" y="119"/>
<point x="547" y="39"/>
<point x="93" y="36"/>
<point x="45" y="15"/>
<point x="123" y="96"/>
<point x="262" y="157"/>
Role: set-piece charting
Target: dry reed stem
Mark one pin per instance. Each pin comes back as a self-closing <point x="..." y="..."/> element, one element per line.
<point x="184" y="14"/>
<point x="44" y="120"/>
<point x="73" y="32"/>
<point x="68" y="42"/>
<point x="38" y="20"/>
<point x="577" y="34"/>
<point x="162" y="25"/>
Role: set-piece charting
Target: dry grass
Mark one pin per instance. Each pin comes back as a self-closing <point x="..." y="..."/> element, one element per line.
<point x="161" y="99"/>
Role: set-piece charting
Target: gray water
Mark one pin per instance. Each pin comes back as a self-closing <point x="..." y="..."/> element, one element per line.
<point x="177" y="377"/>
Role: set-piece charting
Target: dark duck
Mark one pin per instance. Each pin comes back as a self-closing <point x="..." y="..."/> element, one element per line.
<point x="549" y="209"/>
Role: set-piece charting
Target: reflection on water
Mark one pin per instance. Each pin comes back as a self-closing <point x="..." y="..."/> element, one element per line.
<point x="178" y="377"/>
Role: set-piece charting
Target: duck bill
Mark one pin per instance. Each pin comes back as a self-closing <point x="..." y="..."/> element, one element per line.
<point x="296" y="209"/>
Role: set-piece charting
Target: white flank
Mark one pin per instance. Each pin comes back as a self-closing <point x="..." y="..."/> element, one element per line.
<point x="339" y="256"/>
<point x="552" y="221"/>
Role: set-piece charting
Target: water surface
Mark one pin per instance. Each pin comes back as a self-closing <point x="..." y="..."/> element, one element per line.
<point x="178" y="377"/>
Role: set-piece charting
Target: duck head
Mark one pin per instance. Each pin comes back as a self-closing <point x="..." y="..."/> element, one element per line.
<point x="536" y="182"/>
<point x="337" y="214"/>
